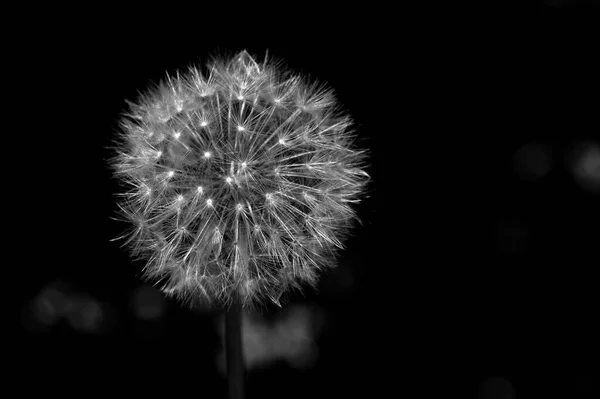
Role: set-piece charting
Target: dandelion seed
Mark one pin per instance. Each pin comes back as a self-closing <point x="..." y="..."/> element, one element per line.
<point x="290" y="211"/>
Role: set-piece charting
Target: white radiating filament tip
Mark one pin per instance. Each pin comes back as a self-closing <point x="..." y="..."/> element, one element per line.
<point x="179" y="105"/>
<point x="171" y="173"/>
<point x="209" y="202"/>
<point x="200" y="189"/>
<point x="207" y="154"/>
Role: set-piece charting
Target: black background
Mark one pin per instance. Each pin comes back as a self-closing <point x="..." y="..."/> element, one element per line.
<point x="443" y="99"/>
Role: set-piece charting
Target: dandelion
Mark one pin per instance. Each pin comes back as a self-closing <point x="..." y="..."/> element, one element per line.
<point x="240" y="183"/>
<point x="240" y="179"/>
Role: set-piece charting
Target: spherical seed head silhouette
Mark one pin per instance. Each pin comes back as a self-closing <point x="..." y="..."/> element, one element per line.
<point x="240" y="181"/>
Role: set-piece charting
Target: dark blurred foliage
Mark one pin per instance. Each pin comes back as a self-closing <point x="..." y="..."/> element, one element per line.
<point x="472" y="273"/>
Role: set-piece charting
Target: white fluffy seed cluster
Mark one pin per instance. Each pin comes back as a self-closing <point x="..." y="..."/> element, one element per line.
<point x="239" y="181"/>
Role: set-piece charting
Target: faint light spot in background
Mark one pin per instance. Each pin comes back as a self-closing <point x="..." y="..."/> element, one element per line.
<point x="533" y="161"/>
<point x="85" y="314"/>
<point x="148" y="303"/>
<point x="256" y="342"/>
<point x="51" y="304"/>
<point x="583" y="160"/>
<point x="56" y="302"/>
<point x="294" y="338"/>
<point x="46" y="308"/>
<point x="291" y="337"/>
<point x="496" y="388"/>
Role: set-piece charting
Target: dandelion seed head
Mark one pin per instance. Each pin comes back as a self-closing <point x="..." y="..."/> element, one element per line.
<point x="287" y="215"/>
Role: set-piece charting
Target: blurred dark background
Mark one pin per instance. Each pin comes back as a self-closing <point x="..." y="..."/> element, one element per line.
<point x="474" y="268"/>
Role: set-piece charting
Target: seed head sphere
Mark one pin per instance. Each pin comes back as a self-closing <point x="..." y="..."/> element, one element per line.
<point x="239" y="181"/>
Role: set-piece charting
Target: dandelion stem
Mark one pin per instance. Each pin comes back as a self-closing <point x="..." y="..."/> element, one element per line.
<point x="233" y="347"/>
